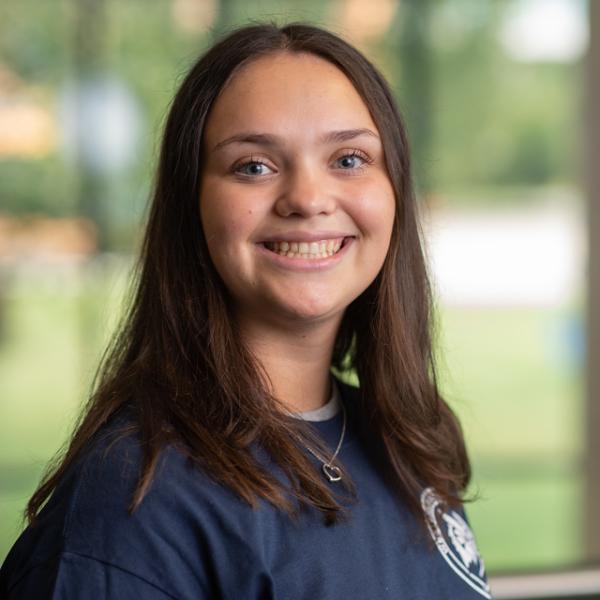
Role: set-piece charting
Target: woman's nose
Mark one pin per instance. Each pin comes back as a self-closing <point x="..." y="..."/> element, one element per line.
<point x="305" y="193"/>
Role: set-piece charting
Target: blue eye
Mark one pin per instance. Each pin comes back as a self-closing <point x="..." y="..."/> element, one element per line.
<point x="251" y="168"/>
<point x="349" y="161"/>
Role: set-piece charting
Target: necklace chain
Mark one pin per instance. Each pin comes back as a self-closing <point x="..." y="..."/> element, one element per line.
<point x="332" y="472"/>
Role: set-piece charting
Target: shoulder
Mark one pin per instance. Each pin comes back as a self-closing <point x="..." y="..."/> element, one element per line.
<point x="173" y="541"/>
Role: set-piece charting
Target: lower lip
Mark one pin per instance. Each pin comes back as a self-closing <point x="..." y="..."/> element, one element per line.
<point x="306" y="264"/>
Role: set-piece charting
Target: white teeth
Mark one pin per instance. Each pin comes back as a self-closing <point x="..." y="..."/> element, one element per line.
<point x="320" y="249"/>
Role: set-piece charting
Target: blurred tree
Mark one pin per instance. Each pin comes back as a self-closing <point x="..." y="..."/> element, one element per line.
<point x="34" y="57"/>
<point x="417" y="88"/>
<point x="90" y="32"/>
<point x="497" y="122"/>
<point x="476" y="117"/>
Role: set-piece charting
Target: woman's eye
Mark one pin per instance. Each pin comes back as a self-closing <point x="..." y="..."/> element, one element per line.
<point x="251" y="168"/>
<point x="353" y="160"/>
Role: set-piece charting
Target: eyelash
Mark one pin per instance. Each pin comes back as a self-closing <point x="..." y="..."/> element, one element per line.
<point x="355" y="152"/>
<point x="358" y="154"/>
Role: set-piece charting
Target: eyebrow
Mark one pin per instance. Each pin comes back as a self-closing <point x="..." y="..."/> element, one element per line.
<point x="268" y="139"/>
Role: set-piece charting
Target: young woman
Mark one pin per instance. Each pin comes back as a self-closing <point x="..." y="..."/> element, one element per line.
<point x="221" y="454"/>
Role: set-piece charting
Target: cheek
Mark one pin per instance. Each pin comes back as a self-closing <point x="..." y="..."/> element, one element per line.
<point x="374" y="213"/>
<point x="226" y="220"/>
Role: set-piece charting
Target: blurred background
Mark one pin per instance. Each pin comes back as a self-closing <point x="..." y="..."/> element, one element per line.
<point x="492" y="91"/>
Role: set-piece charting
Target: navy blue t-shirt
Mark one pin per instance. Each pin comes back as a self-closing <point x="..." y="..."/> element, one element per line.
<point x="192" y="538"/>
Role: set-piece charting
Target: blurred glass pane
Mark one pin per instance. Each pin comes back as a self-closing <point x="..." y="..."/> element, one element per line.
<point x="491" y="91"/>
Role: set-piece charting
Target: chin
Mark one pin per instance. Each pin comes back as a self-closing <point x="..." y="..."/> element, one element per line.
<point x="310" y="311"/>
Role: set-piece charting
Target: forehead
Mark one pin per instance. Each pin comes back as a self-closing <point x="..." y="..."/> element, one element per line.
<point x="288" y="93"/>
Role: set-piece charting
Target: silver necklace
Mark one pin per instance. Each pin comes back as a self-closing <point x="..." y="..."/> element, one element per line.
<point x="332" y="472"/>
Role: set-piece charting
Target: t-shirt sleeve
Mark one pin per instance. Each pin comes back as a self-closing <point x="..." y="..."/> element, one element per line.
<point x="188" y="538"/>
<point x="71" y="576"/>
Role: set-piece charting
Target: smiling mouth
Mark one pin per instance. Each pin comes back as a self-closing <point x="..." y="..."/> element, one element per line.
<point x="310" y="250"/>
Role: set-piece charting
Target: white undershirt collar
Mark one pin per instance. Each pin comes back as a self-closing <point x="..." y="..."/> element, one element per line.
<point x="327" y="411"/>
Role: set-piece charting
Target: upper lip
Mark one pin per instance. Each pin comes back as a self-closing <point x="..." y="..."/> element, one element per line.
<point x="305" y="236"/>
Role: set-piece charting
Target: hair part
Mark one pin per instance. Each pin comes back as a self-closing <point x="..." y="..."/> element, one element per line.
<point x="177" y="361"/>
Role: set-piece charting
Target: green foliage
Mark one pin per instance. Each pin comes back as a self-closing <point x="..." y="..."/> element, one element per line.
<point x="499" y="122"/>
<point x="36" y="186"/>
<point x="476" y="118"/>
<point x="35" y="39"/>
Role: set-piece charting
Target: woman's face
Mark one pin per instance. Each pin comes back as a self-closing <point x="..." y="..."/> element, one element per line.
<point x="295" y="201"/>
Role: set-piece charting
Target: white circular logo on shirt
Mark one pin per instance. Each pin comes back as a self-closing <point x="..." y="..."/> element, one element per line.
<point x="454" y="539"/>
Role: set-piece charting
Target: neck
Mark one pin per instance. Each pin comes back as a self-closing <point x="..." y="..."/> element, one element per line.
<point x="297" y="361"/>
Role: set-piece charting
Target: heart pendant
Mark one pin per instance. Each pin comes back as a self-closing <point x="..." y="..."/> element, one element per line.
<point x="333" y="473"/>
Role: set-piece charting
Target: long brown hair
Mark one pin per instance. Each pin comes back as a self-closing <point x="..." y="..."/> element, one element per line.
<point x="177" y="360"/>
